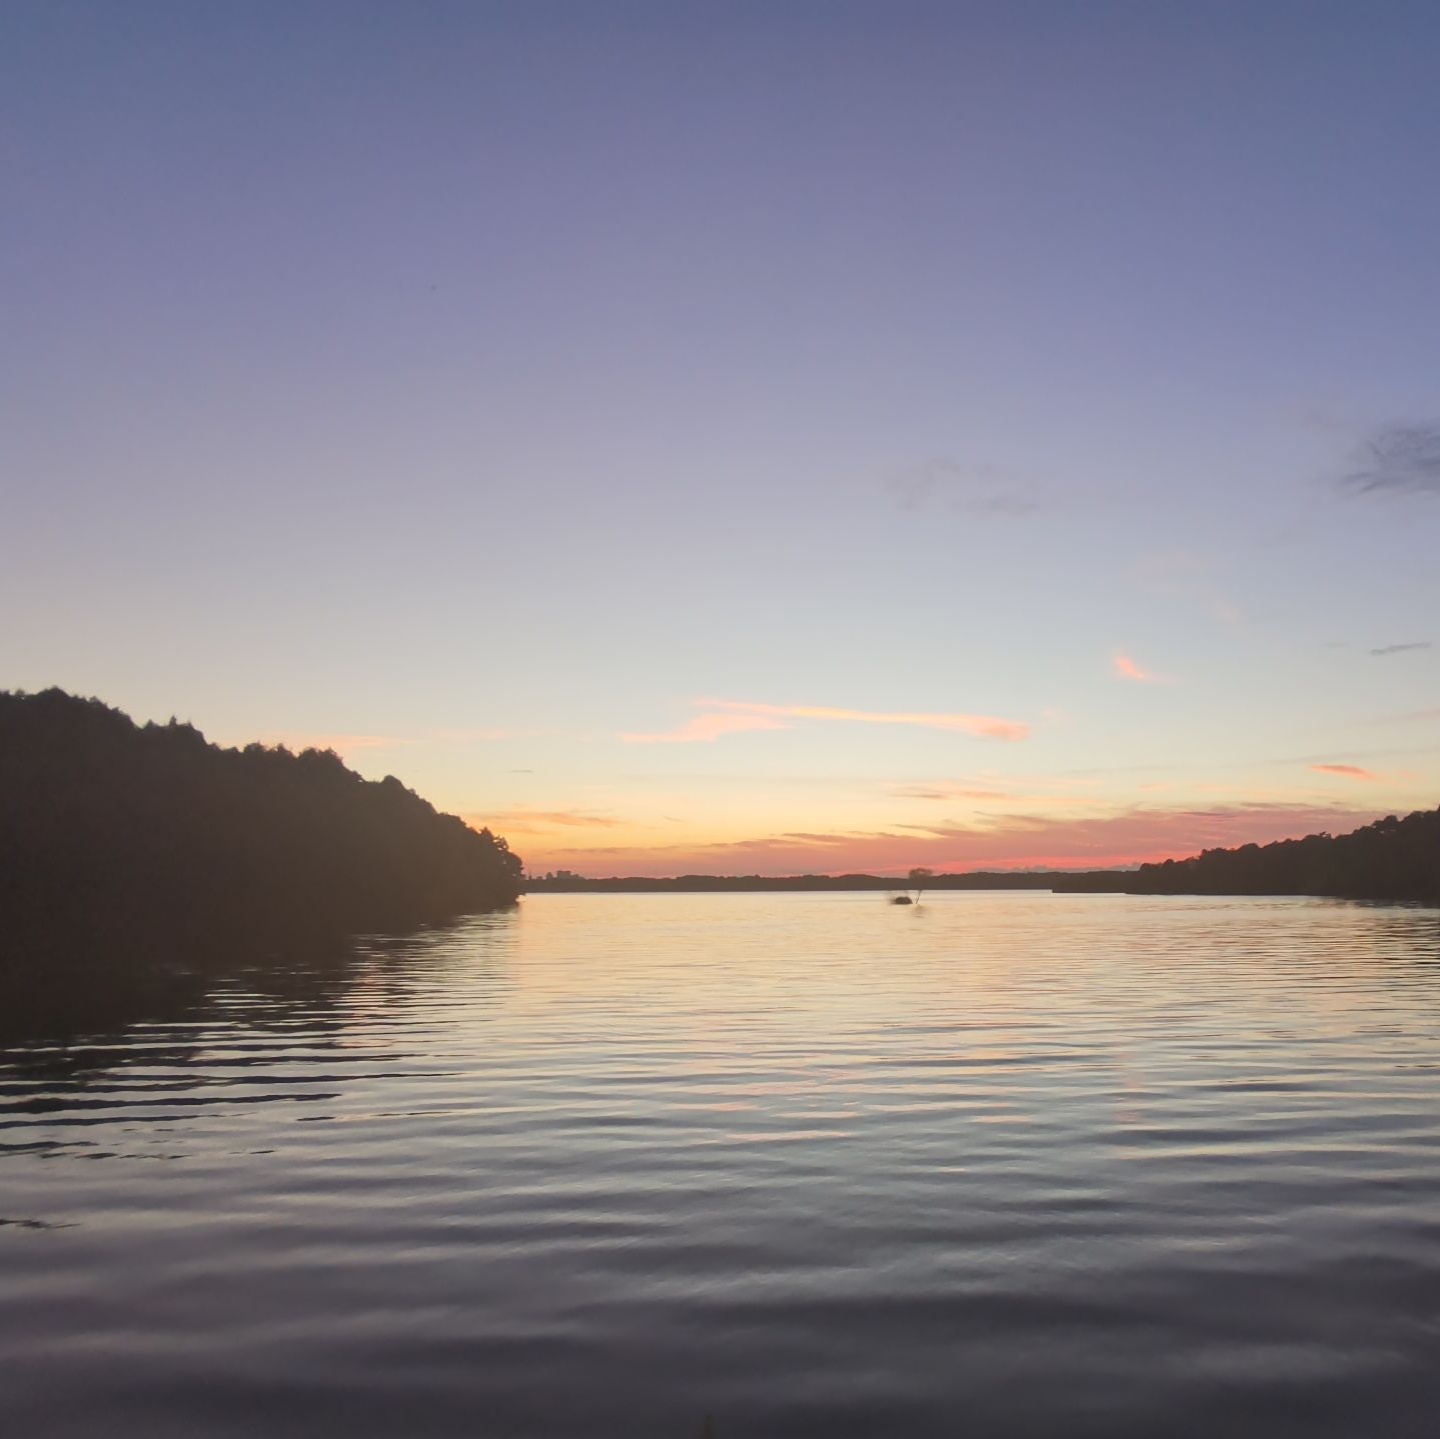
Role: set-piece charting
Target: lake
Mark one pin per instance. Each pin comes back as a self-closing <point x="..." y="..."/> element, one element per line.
<point x="1002" y="1164"/>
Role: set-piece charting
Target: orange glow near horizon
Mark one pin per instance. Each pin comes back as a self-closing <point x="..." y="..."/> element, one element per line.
<point x="1132" y="835"/>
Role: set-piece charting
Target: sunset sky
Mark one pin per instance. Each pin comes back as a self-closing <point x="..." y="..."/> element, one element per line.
<point x="746" y="437"/>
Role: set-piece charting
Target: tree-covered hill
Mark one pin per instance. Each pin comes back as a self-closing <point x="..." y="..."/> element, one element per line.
<point x="1392" y="859"/>
<point x="115" y="833"/>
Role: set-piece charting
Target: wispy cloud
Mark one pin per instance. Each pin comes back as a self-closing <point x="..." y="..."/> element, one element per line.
<point x="707" y="728"/>
<point x="1125" y="668"/>
<point x="1347" y="771"/>
<point x="1400" y="649"/>
<point x="1399" y="459"/>
<point x="721" y="717"/>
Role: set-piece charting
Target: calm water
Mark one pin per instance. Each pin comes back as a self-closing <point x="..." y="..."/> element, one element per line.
<point x="1003" y="1165"/>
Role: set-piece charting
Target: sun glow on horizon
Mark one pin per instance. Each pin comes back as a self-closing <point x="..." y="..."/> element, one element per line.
<point x="1089" y="835"/>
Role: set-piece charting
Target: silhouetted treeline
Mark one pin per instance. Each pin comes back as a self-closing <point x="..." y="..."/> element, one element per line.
<point x="117" y="836"/>
<point x="566" y="882"/>
<point x="1390" y="859"/>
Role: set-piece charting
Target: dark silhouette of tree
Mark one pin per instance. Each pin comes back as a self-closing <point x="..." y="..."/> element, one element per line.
<point x="1392" y="859"/>
<point x="115" y="835"/>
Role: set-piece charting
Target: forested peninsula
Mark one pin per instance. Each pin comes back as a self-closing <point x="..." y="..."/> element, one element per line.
<point x="1392" y="859"/>
<point x="123" y="837"/>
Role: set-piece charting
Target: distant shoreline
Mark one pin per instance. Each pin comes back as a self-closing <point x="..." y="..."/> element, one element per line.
<point x="1393" y="860"/>
<point x="1080" y="881"/>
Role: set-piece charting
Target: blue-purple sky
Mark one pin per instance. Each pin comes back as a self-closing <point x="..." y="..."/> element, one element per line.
<point x="734" y="437"/>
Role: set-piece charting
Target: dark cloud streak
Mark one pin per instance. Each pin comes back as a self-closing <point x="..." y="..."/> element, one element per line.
<point x="1399" y="459"/>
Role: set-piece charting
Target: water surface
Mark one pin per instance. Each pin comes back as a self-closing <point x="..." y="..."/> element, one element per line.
<point x="1005" y="1164"/>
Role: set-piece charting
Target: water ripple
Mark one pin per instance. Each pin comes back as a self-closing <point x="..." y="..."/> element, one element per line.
<point x="1020" y="1165"/>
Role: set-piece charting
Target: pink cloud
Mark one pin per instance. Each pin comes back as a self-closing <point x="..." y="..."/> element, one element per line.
<point x="707" y="728"/>
<point x="1346" y="771"/>
<point x="1126" y="669"/>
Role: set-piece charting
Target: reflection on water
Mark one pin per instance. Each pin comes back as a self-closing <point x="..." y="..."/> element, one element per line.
<point x="1005" y="1164"/>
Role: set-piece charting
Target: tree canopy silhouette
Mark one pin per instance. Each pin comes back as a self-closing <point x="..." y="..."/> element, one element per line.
<point x="1392" y="859"/>
<point x="116" y="833"/>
